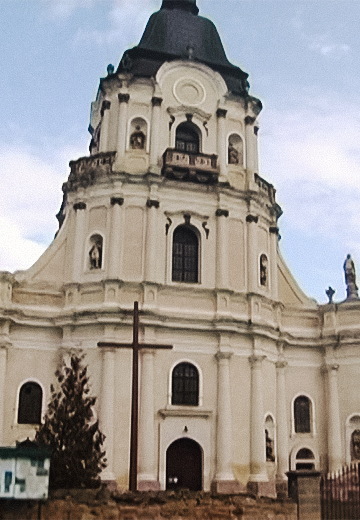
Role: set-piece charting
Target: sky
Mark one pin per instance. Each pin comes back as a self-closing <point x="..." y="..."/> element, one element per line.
<point x="303" y="58"/>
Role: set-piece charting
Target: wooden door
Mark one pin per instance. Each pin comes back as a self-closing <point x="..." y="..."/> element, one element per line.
<point x="184" y="465"/>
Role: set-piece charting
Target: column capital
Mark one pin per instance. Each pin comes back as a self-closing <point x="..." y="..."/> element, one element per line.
<point x="156" y="101"/>
<point x="151" y="203"/>
<point x="221" y="112"/>
<point x="250" y="120"/>
<point x="79" y="205"/>
<point x="252" y="218"/>
<point x="331" y="368"/>
<point x="105" y="106"/>
<point x="116" y="200"/>
<point x="255" y="361"/>
<point x="123" y="98"/>
<point x="222" y="213"/>
<point x="274" y="230"/>
<point x="223" y="355"/>
<point x="281" y="364"/>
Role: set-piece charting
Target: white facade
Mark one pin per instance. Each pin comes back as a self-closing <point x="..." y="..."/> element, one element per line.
<point x="261" y="348"/>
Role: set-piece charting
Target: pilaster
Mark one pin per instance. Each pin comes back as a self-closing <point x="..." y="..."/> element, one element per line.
<point x="154" y="141"/>
<point x="252" y="256"/>
<point x="147" y="479"/>
<point x="333" y="414"/>
<point x="222" y="249"/>
<point x="224" y="481"/>
<point x="221" y="143"/>
<point x="151" y="242"/>
<point x="79" y="237"/>
<point x="124" y="98"/>
<point x="107" y="410"/>
<point x="281" y="429"/>
<point x="258" y="479"/>
<point x="3" y="360"/>
<point x="105" y="126"/>
<point x="116" y="236"/>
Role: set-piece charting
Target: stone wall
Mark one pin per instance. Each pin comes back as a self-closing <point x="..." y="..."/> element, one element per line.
<point x="184" y="505"/>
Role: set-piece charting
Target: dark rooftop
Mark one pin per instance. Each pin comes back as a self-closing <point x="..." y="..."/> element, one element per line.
<point x="177" y="32"/>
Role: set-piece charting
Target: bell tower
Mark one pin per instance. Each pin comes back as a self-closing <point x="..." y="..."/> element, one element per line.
<point x="169" y="209"/>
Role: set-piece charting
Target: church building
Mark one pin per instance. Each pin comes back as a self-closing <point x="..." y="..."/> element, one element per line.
<point x="169" y="209"/>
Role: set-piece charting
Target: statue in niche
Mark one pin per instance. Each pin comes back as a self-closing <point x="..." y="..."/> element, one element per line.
<point x="95" y="255"/>
<point x="269" y="448"/>
<point x="263" y="270"/>
<point x="233" y="154"/>
<point x="137" y="139"/>
<point x="350" y="278"/>
<point x="355" y="445"/>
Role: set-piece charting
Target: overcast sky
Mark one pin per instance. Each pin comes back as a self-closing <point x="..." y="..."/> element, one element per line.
<point x="303" y="58"/>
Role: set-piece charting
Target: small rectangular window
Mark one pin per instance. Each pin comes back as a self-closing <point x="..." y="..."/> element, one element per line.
<point x="7" y="481"/>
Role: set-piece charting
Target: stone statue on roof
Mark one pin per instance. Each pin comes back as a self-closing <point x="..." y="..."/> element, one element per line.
<point x="350" y="278"/>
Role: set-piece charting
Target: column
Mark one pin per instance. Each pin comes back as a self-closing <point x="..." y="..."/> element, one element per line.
<point x="116" y="232"/>
<point x="222" y="250"/>
<point x="147" y="479"/>
<point x="221" y="143"/>
<point x="334" y="428"/>
<point x="105" y="126"/>
<point x="258" y="471"/>
<point x="250" y="149"/>
<point x="224" y="481"/>
<point x="3" y="355"/>
<point x="79" y="237"/>
<point x="151" y="242"/>
<point x="252" y="256"/>
<point x="274" y="233"/>
<point x="122" y="127"/>
<point x="107" y="410"/>
<point x="154" y="136"/>
<point x="282" y="433"/>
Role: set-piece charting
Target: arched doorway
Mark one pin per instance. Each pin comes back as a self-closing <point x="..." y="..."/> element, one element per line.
<point x="184" y="465"/>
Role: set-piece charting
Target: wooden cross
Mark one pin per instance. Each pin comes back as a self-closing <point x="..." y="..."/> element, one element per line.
<point x="135" y="346"/>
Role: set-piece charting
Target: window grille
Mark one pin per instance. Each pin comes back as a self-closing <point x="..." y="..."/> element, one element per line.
<point x="302" y="415"/>
<point x="185" y="385"/>
<point x="185" y="255"/>
<point x="187" y="138"/>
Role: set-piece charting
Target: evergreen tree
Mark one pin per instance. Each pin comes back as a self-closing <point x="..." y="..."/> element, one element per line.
<point x="69" y="429"/>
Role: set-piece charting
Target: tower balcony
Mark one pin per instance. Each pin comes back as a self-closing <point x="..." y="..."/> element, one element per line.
<point x="190" y="167"/>
<point x="86" y="171"/>
<point x="266" y="188"/>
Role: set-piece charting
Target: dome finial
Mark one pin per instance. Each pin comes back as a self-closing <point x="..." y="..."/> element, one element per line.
<point x="185" y="5"/>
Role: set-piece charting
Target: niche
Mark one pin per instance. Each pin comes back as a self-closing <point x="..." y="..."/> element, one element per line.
<point x="269" y="439"/>
<point x="263" y="270"/>
<point x="235" y="150"/>
<point x="95" y="252"/>
<point x="138" y="132"/>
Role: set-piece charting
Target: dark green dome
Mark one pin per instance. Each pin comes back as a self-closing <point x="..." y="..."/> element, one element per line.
<point x="177" y="32"/>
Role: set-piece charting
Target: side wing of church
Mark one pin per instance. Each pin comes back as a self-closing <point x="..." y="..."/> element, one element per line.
<point x="169" y="209"/>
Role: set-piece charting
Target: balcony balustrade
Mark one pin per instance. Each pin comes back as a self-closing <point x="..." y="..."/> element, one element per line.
<point x="190" y="167"/>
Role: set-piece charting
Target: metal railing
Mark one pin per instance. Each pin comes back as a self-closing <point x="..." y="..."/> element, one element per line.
<point x="340" y="494"/>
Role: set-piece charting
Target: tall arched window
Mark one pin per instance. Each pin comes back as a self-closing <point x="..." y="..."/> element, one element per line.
<point x="185" y="255"/>
<point x="185" y="385"/>
<point x="30" y="403"/>
<point x="187" y="138"/>
<point x="302" y="414"/>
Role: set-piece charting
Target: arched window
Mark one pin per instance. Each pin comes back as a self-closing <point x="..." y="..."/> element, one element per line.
<point x="305" y="459"/>
<point x="185" y="385"/>
<point x="185" y="255"/>
<point x="302" y="414"/>
<point x="96" y="252"/>
<point x="30" y="404"/>
<point x="187" y="138"/>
